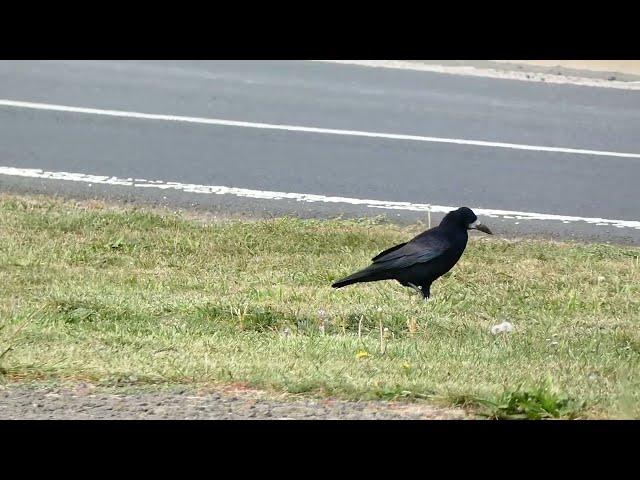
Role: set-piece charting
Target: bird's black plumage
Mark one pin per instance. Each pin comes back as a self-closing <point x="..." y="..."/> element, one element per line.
<point x="423" y="259"/>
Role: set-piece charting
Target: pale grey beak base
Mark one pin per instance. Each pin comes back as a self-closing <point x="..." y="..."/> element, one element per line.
<point x="481" y="227"/>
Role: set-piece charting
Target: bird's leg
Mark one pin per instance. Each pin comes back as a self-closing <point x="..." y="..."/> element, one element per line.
<point x="426" y="291"/>
<point x="415" y="287"/>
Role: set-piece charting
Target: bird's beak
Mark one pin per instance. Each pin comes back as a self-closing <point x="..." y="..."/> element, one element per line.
<point x="481" y="227"/>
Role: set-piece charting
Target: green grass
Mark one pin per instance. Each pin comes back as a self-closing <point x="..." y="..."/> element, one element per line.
<point x="134" y="297"/>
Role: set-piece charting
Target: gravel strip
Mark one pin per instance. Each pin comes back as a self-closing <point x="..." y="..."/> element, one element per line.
<point x="88" y="402"/>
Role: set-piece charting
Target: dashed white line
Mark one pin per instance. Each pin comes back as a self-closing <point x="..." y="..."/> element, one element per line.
<point x="296" y="128"/>
<point x="300" y="197"/>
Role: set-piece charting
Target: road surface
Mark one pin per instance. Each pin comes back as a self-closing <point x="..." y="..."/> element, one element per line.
<point x="557" y="160"/>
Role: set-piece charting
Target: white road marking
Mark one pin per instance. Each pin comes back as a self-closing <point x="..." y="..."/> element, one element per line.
<point x="300" y="197"/>
<point x="296" y="128"/>
<point x="526" y="76"/>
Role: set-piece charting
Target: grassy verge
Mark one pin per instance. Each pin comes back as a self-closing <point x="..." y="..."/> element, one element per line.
<point x="121" y="296"/>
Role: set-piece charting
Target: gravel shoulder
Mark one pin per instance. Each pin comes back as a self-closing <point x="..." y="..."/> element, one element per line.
<point x="623" y="74"/>
<point x="623" y="70"/>
<point x="83" y="401"/>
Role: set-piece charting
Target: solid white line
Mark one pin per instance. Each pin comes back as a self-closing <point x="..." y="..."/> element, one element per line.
<point x="295" y="128"/>
<point x="301" y="197"/>
<point x="526" y="76"/>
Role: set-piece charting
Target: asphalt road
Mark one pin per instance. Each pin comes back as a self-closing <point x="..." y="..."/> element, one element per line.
<point x="329" y="96"/>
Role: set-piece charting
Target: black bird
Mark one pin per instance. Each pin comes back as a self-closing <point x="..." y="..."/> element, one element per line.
<point x="423" y="259"/>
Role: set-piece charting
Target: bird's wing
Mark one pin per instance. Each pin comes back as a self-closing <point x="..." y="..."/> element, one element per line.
<point x="421" y="249"/>
<point x="388" y="250"/>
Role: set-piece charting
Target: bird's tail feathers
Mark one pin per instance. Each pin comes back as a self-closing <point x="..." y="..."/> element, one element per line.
<point x="366" y="275"/>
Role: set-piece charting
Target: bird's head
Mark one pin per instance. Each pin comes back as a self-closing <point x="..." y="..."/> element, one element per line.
<point x="465" y="218"/>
